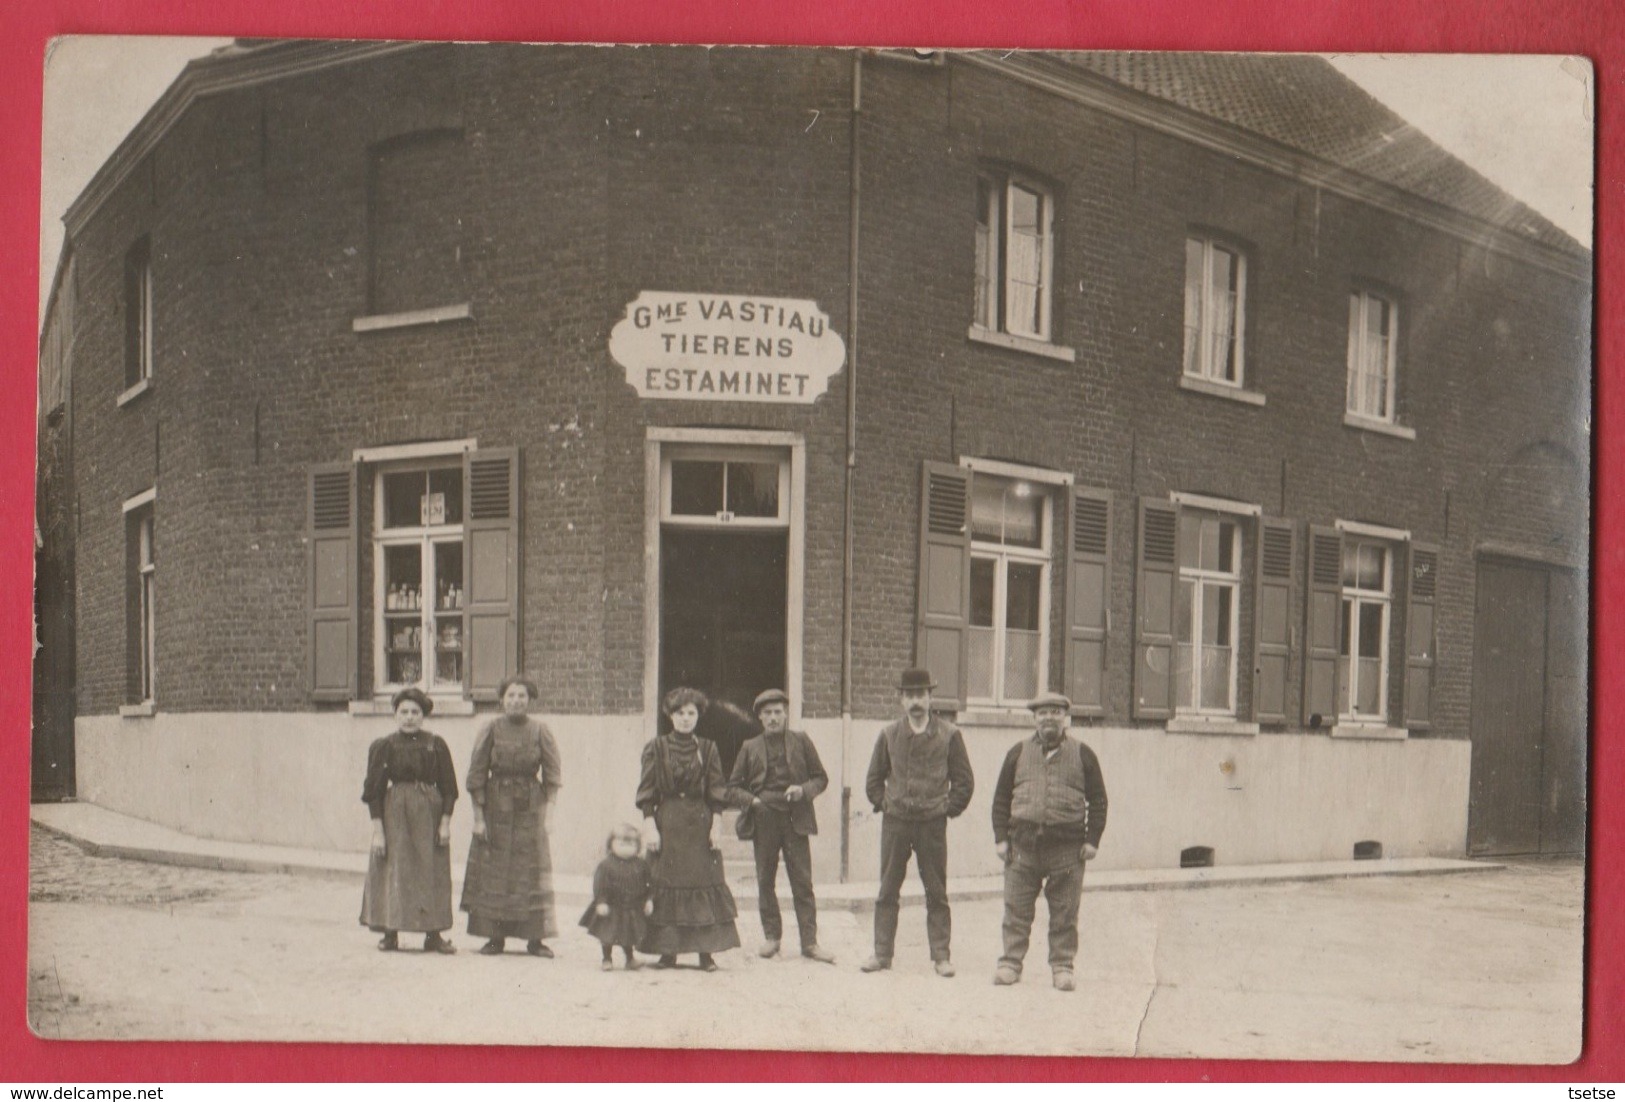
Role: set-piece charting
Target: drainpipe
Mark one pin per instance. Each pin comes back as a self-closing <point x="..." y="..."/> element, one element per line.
<point x="851" y="470"/>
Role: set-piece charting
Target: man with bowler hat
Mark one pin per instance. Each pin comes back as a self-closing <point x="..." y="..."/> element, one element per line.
<point x="919" y="777"/>
<point x="1049" y="811"/>
<point x="776" y="777"/>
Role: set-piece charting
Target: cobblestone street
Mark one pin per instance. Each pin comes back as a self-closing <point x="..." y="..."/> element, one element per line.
<point x="1480" y="966"/>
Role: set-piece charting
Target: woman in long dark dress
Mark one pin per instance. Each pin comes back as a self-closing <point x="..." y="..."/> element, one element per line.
<point x="410" y="789"/>
<point x="679" y="793"/>
<point x="513" y="780"/>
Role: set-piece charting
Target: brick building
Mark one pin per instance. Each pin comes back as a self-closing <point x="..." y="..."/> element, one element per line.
<point x="1201" y="388"/>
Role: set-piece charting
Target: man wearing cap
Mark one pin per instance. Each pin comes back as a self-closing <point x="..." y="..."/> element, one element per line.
<point x="776" y="777"/>
<point x="1049" y="811"/>
<point x="919" y="777"/>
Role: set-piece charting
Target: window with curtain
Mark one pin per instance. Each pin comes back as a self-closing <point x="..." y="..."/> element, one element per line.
<point x="1215" y="311"/>
<point x="1014" y="256"/>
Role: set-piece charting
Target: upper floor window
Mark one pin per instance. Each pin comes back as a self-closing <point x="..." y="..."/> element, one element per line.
<point x="415" y="223"/>
<point x="1372" y="324"/>
<point x="1014" y="256"/>
<point x="1205" y="613"/>
<point x="1363" y="648"/>
<point x="1215" y="311"/>
<point x="138" y="314"/>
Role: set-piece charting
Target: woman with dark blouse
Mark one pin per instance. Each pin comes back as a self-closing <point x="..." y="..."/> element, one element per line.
<point x="681" y="789"/>
<point x="514" y="780"/>
<point x="410" y="788"/>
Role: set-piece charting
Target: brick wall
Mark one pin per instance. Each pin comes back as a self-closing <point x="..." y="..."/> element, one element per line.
<point x="592" y="176"/>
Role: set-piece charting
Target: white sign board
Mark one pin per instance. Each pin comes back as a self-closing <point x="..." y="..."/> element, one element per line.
<point x="726" y="348"/>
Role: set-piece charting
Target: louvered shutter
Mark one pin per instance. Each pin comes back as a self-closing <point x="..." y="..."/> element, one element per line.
<point x="941" y="642"/>
<point x="1154" y="610"/>
<point x="1322" y="625"/>
<point x="491" y="568"/>
<point x="332" y="589"/>
<point x="1088" y="600"/>
<point x="1420" y="635"/>
<point x="1272" y="621"/>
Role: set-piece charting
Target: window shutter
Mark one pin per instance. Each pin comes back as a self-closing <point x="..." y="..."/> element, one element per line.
<point x="941" y="642"/>
<point x="333" y="590"/>
<point x="1272" y="620"/>
<point x="491" y="568"/>
<point x="1088" y="600"/>
<point x="1420" y="635"/>
<point x="1322" y="624"/>
<point x="1154" y="610"/>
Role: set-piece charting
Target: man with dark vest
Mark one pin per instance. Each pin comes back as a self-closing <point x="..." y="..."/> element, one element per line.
<point x="919" y="777"/>
<point x="1049" y="811"/>
<point x="776" y="777"/>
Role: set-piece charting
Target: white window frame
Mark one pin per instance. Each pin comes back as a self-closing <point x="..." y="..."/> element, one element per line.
<point x="146" y="597"/>
<point x="143" y="307"/>
<point x="1354" y="597"/>
<point x="1205" y="367"/>
<point x="723" y="519"/>
<point x="424" y="537"/>
<point x="1002" y="555"/>
<point x="1201" y="579"/>
<point x="995" y="278"/>
<point x="1361" y="303"/>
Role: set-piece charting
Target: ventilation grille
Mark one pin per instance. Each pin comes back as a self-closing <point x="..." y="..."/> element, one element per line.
<point x="488" y="489"/>
<point x="945" y="506"/>
<point x="1424" y="574"/>
<point x="1277" y="552"/>
<point x="330" y="500"/>
<point x="1089" y="528"/>
<point x="1196" y="857"/>
<point x="1328" y="565"/>
<point x="1160" y="526"/>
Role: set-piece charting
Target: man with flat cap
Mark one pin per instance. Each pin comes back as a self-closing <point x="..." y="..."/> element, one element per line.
<point x="1049" y="811"/>
<point x="776" y="777"/>
<point x="919" y="778"/>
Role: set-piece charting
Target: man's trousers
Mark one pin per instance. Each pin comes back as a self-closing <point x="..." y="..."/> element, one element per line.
<point x="776" y="835"/>
<point x="1057" y="868"/>
<point x="927" y="841"/>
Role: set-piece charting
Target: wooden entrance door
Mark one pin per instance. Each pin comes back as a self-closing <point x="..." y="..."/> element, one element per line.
<point x="1528" y="757"/>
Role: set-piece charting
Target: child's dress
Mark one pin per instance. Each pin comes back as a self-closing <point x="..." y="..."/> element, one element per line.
<point x="623" y="883"/>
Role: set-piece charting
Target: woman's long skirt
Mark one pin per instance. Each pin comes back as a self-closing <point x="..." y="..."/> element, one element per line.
<point x="508" y="891"/>
<point x="409" y="887"/>
<point x="694" y="911"/>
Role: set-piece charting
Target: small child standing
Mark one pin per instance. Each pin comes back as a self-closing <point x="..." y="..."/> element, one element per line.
<point x="620" y="896"/>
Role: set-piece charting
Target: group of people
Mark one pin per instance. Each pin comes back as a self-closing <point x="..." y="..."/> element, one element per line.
<point x="661" y="889"/>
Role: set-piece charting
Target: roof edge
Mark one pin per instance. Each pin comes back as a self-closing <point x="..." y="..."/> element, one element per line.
<point x="226" y="69"/>
<point x="1104" y="94"/>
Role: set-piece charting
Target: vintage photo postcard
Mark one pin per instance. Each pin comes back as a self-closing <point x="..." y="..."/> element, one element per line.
<point x="813" y="549"/>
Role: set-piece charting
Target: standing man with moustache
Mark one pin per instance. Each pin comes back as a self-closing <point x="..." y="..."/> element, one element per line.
<point x="919" y="778"/>
<point x="776" y="778"/>
<point x="1049" y="811"/>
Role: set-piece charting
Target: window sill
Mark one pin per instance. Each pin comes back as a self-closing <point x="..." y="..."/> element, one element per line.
<point x="1204" y="725"/>
<point x="1022" y="344"/>
<point x="134" y="392"/>
<point x="1220" y="390"/>
<point x="1347" y="729"/>
<point x="991" y="715"/>
<point x="432" y="316"/>
<point x="443" y="706"/>
<point x="137" y="711"/>
<point x="1371" y="424"/>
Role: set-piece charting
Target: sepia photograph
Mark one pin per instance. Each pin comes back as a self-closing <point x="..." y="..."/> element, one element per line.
<point x="889" y="550"/>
